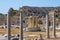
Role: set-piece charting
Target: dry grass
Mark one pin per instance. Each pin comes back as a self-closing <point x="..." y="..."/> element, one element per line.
<point x="13" y="30"/>
<point x="16" y="31"/>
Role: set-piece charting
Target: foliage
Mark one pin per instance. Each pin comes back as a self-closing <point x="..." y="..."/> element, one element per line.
<point x="59" y="18"/>
<point x="1" y="14"/>
<point x="13" y="12"/>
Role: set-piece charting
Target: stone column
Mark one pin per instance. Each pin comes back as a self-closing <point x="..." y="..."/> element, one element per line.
<point x="54" y="30"/>
<point x="21" y="26"/>
<point x="47" y="26"/>
<point x="8" y="25"/>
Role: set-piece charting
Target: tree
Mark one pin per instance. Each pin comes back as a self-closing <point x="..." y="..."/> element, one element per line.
<point x="59" y="18"/>
<point x="1" y="14"/>
<point x="13" y="12"/>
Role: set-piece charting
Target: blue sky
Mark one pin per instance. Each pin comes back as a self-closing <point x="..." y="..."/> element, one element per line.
<point x="6" y="4"/>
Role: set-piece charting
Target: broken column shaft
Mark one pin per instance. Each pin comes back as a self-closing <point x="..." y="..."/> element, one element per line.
<point x="8" y="25"/>
<point x="54" y="30"/>
<point x="21" y="26"/>
<point x="47" y="26"/>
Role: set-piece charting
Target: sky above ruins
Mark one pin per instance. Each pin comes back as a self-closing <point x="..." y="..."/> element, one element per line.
<point x="6" y="4"/>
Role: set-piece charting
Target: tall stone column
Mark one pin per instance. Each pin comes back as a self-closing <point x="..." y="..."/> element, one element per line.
<point x="21" y="26"/>
<point x="8" y="25"/>
<point x="54" y="30"/>
<point x="47" y="26"/>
